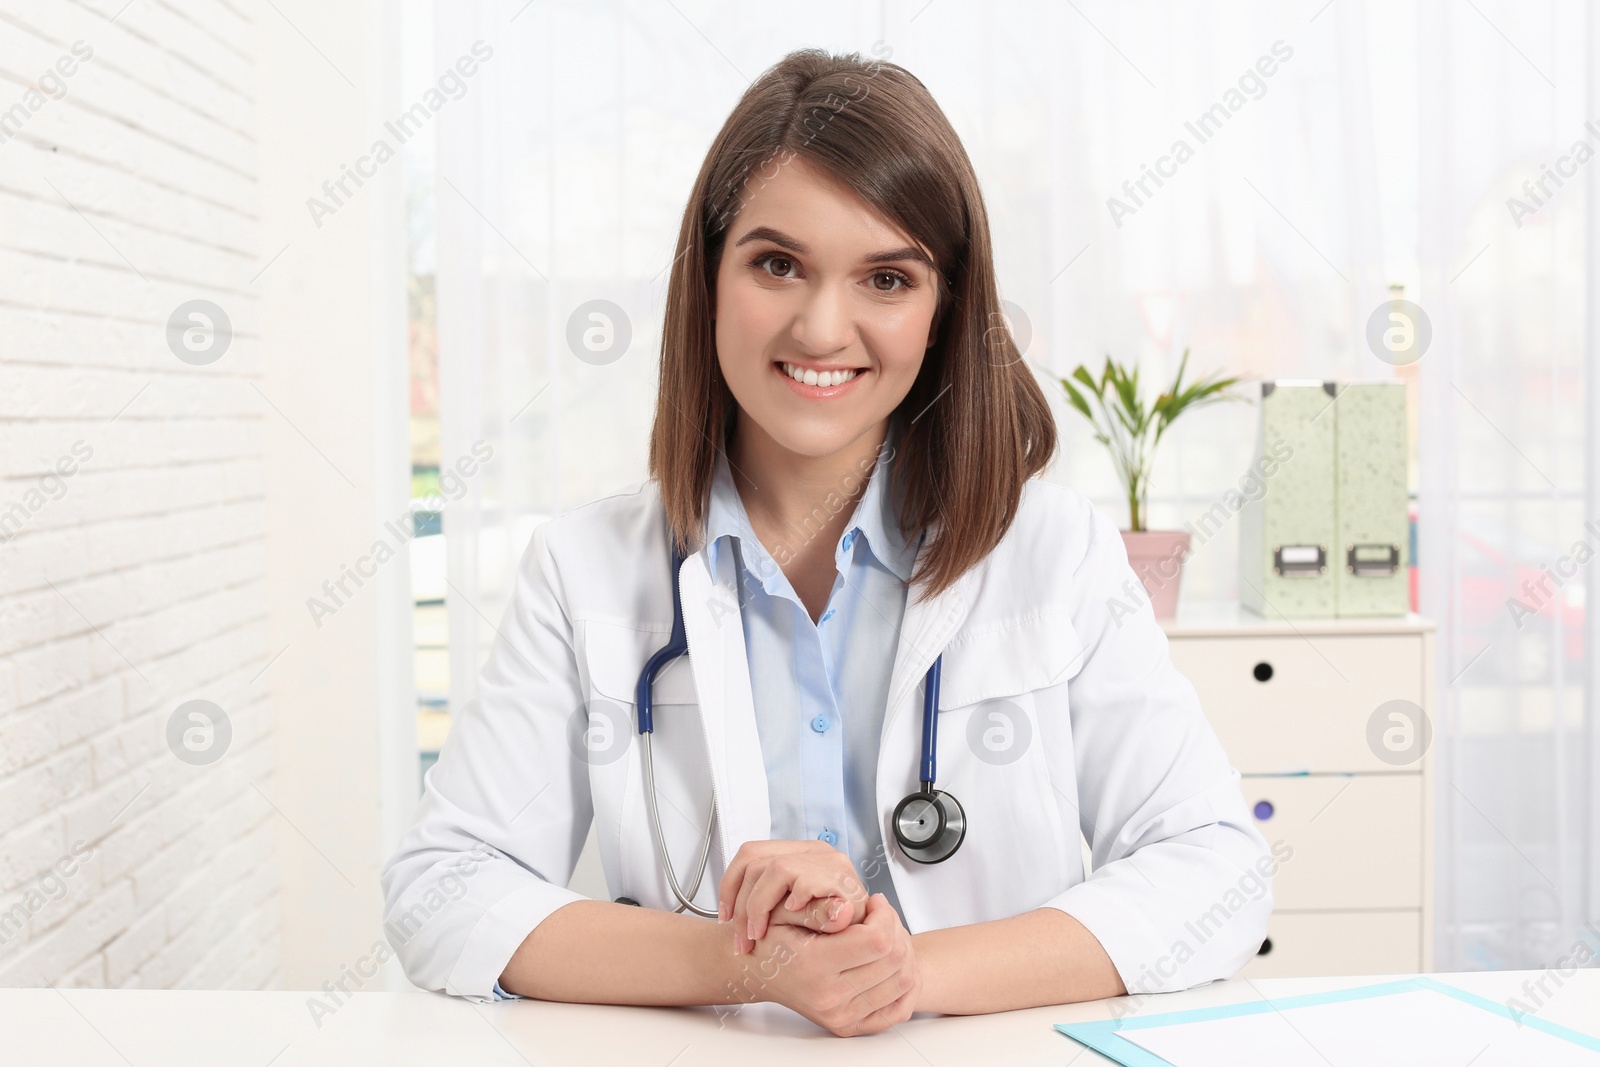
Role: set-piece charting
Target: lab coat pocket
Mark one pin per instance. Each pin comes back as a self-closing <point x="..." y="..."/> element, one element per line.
<point x="1001" y="692"/>
<point x="615" y="656"/>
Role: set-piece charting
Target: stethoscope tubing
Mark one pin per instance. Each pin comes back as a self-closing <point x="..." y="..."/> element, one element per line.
<point x="677" y="644"/>
<point x="685" y="899"/>
<point x="930" y="724"/>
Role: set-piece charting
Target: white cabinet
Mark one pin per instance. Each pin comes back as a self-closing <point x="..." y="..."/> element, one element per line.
<point x="1329" y="722"/>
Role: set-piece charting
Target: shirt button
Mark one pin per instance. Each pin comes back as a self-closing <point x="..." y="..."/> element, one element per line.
<point x="849" y="539"/>
<point x="826" y="615"/>
<point x="829" y="836"/>
<point x="820" y="724"/>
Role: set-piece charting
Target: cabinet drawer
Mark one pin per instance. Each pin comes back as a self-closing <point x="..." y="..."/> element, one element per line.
<point x="1307" y="944"/>
<point x="1357" y="839"/>
<point x="1285" y="704"/>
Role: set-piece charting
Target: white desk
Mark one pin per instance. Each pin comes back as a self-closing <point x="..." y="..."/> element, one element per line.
<point x="179" y="1028"/>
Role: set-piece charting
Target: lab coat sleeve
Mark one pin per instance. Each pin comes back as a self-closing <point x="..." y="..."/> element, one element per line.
<point x="1181" y="890"/>
<point x="505" y="810"/>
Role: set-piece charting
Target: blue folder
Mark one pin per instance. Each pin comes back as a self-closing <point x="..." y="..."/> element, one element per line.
<point x="1104" y="1038"/>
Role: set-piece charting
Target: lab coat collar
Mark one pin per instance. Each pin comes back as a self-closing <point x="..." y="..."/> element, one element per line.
<point x="721" y="672"/>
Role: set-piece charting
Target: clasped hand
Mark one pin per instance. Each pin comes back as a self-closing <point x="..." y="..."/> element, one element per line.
<point x="822" y="946"/>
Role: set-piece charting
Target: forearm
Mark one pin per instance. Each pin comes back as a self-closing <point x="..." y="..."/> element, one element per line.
<point x="1043" y="956"/>
<point x="597" y="952"/>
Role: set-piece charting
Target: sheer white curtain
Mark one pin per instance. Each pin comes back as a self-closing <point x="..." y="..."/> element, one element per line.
<point x="1508" y="475"/>
<point x="563" y="171"/>
<point x="562" y="174"/>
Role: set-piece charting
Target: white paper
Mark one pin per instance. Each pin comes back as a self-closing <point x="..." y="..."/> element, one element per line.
<point x="1419" y="1028"/>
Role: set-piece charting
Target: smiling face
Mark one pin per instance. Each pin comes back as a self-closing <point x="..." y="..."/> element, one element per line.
<point x="824" y="311"/>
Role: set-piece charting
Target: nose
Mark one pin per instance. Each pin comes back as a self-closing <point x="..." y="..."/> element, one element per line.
<point x="822" y="323"/>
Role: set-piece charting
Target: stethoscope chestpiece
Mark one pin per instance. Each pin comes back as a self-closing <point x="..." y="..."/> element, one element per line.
<point x="929" y="825"/>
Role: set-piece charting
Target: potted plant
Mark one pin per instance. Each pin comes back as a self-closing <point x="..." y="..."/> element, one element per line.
<point x="1131" y="430"/>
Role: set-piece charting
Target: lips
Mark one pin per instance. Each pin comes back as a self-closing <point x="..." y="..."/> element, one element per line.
<point x="819" y="383"/>
<point x="823" y="377"/>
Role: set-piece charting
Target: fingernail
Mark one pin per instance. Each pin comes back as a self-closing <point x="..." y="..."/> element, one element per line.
<point x="750" y="929"/>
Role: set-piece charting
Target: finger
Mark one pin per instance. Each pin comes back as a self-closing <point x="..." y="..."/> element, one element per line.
<point x="829" y="915"/>
<point x="798" y="899"/>
<point x="728" y="888"/>
<point x="890" y="1014"/>
<point x="754" y="857"/>
<point x="872" y="1000"/>
<point x="775" y="883"/>
<point x="850" y="889"/>
<point x="884" y="926"/>
<point x="739" y="912"/>
<point x="825" y="915"/>
<point x="786" y="880"/>
<point x="871" y="974"/>
<point x="845" y="886"/>
<point x="879" y="912"/>
<point x="813" y="918"/>
<point x="852" y="899"/>
<point x="862" y="942"/>
<point x="748" y="853"/>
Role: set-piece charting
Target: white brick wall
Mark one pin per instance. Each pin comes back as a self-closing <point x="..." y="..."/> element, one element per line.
<point x="142" y="584"/>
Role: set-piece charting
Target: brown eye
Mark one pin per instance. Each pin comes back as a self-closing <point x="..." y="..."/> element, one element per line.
<point x="888" y="281"/>
<point x="776" y="265"/>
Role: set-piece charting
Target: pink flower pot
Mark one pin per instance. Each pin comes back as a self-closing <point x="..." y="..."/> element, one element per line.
<point x="1157" y="556"/>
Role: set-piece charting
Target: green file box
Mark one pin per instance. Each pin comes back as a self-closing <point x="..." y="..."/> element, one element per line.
<point x="1371" y="571"/>
<point x="1288" y="532"/>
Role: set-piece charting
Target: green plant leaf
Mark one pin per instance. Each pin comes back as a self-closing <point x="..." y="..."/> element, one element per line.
<point x="1130" y="400"/>
<point x="1077" y="400"/>
<point x="1177" y="381"/>
<point x="1128" y="427"/>
<point x="1123" y="417"/>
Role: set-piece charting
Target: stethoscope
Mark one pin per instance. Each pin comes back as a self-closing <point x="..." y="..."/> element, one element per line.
<point x="929" y="825"/>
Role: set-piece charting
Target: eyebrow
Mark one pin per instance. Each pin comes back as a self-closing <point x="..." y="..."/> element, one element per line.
<point x="783" y="240"/>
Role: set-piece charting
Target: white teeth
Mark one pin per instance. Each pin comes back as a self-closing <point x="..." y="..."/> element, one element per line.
<point x="824" y="378"/>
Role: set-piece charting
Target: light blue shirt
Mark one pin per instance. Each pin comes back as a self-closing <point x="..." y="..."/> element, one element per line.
<point x="821" y="688"/>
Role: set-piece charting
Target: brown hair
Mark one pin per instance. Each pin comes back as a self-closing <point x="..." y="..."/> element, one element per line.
<point x="975" y="425"/>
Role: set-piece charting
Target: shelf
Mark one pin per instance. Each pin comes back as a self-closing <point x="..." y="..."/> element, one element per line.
<point x="1228" y="619"/>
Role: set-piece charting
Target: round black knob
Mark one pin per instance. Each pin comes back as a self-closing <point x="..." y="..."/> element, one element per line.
<point x="1266" y="946"/>
<point x="1263" y="671"/>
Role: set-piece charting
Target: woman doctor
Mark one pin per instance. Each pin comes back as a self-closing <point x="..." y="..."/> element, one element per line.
<point x="843" y="455"/>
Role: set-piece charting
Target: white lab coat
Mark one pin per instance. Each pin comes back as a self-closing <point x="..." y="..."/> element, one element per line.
<point x="1040" y="638"/>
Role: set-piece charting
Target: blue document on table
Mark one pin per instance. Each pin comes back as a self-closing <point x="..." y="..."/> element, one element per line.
<point x="1410" y="1021"/>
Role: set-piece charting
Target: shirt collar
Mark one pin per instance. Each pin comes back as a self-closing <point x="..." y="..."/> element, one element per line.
<point x="875" y="520"/>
